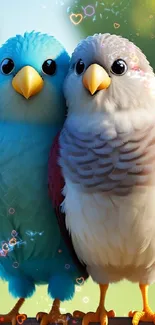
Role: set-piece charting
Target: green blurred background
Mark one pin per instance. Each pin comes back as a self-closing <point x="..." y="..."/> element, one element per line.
<point x="134" y="19"/>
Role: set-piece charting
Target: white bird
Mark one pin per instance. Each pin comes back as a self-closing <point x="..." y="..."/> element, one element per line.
<point x="107" y="156"/>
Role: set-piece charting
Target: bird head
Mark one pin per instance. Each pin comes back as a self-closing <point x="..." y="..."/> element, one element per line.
<point x="108" y="74"/>
<point x="32" y="72"/>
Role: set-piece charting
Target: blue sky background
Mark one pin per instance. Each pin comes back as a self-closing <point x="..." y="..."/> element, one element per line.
<point x="18" y="16"/>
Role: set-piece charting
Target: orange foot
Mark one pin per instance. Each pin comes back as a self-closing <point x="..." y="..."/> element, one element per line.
<point x="54" y="315"/>
<point x="145" y="316"/>
<point x="13" y="316"/>
<point x="100" y="316"/>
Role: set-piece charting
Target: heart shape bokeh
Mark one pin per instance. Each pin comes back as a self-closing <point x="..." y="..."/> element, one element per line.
<point x="21" y="318"/>
<point x="116" y="25"/>
<point x="80" y="280"/>
<point x="76" y="18"/>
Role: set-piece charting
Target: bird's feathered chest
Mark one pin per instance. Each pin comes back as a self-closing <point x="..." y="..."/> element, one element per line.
<point x="98" y="169"/>
<point x="24" y="202"/>
<point x="102" y="164"/>
<point x="24" y="153"/>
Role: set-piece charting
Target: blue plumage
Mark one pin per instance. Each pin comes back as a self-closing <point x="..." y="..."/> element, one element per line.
<point x="27" y="129"/>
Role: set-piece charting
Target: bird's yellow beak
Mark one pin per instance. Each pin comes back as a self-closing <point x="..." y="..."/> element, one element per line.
<point x="27" y="82"/>
<point x="96" y="78"/>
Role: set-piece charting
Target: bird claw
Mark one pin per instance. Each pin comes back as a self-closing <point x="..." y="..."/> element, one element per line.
<point x="53" y="317"/>
<point x="13" y="318"/>
<point x="100" y="316"/>
<point x="39" y="316"/>
<point x="144" y="316"/>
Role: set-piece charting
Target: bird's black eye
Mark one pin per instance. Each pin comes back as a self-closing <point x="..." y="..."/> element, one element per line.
<point x="119" y="67"/>
<point x="79" y="67"/>
<point x="7" y="66"/>
<point x="49" y="67"/>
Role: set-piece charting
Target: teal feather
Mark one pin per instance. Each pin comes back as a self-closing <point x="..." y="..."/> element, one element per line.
<point x="27" y="129"/>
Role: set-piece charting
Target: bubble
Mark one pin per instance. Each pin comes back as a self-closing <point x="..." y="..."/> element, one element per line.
<point x="89" y="10"/>
<point x="59" y="250"/>
<point x="15" y="265"/>
<point x="85" y="300"/>
<point x="67" y="266"/>
<point x="12" y="241"/>
<point x="5" y="247"/>
<point x="11" y="210"/>
<point x="14" y="233"/>
<point x="78" y="289"/>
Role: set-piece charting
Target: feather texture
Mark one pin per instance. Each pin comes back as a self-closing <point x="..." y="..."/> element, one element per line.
<point x="107" y="156"/>
<point x="56" y="185"/>
<point x="38" y="254"/>
<point x="108" y="203"/>
<point x="101" y="165"/>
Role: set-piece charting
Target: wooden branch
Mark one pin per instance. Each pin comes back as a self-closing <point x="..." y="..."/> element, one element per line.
<point x="75" y="321"/>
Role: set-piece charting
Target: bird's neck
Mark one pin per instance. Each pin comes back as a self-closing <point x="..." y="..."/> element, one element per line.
<point x="111" y="124"/>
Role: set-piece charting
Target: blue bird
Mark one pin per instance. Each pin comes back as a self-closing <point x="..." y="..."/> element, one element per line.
<point x="32" y="111"/>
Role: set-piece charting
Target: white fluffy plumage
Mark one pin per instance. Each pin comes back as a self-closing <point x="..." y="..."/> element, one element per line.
<point x="107" y="157"/>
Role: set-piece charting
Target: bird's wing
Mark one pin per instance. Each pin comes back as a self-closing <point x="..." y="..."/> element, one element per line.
<point x="56" y="184"/>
